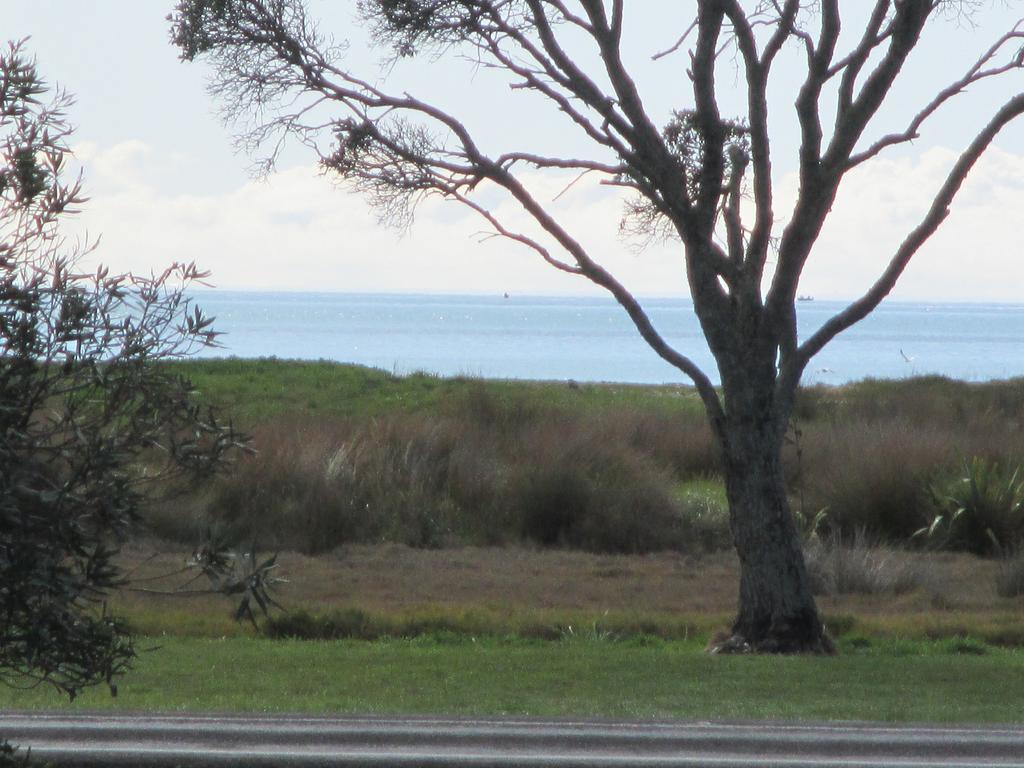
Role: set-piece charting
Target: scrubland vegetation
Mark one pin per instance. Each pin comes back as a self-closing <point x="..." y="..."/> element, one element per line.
<point x="353" y="455"/>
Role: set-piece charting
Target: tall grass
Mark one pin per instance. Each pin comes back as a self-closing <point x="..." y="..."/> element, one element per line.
<point x="1010" y="573"/>
<point x="863" y="567"/>
<point x="484" y="469"/>
<point x="873" y="476"/>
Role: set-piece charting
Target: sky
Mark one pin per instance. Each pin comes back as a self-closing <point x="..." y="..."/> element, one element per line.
<point x="166" y="184"/>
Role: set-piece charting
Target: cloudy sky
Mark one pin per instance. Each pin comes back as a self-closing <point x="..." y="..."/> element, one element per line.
<point x="166" y="184"/>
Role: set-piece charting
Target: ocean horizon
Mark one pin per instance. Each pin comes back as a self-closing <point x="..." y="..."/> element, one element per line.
<point x="591" y="339"/>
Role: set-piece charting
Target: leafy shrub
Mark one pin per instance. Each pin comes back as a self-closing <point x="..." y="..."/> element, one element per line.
<point x="577" y="491"/>
<point x="981" y="510"/>
<point x="350" y="623"/>
<point x="88" y="416"/>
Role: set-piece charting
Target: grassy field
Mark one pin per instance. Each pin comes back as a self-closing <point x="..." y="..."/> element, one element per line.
<point x="255" y="391"/>
<point x="892" y="681"/>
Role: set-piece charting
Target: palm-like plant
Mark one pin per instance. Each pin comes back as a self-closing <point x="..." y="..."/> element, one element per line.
<point x="980" y="511"/>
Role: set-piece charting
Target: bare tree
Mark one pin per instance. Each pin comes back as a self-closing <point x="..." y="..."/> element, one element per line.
<point x="703" y="180"/>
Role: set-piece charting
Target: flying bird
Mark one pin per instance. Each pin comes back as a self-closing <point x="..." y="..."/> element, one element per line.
<point x="906" y="359"/>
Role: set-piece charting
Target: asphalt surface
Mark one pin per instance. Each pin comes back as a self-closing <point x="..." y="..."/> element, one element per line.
<point x="241" y="740"/>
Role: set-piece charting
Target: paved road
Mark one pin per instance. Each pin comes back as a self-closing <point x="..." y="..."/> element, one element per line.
<point x="395" y="742"/>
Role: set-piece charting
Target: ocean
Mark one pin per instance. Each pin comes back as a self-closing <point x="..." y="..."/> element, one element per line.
<point x="591" y="339"/>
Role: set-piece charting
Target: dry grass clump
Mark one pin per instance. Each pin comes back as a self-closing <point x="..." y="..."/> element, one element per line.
<point x="681" y="443"/>
<point x="484" y="469"/>
<point x="315" y="485"/>
<point x="578" y="487"/>
<point x="856" y="566"/>
<point x="873" y="476"/>
<point x="1010" y="574"/>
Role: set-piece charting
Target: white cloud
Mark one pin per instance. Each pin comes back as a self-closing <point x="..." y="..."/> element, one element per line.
<point x="975" y="255"/>
<point x="297" y="231"/>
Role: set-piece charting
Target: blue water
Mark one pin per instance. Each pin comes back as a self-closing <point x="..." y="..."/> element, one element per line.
<point x="591" y="339"/>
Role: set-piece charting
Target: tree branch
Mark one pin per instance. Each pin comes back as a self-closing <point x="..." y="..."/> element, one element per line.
<point x="598" y="275"/>
<point x="936" y="214"/>
<point x="975" y="74"/>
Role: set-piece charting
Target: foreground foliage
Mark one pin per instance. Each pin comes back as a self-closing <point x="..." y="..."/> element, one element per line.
<point x="87" y="421"/>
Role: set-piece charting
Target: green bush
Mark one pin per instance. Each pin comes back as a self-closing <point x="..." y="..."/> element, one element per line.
<point x="980" y="510"/>
<point x="350" y="623"/>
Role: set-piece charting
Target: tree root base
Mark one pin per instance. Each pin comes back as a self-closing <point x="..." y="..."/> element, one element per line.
<point x="734" y="642"/>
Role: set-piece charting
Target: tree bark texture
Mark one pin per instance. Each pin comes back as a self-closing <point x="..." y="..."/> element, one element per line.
<point x="777" y="611"/>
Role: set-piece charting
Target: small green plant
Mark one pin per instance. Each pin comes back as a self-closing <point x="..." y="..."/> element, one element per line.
<point x="980" y="511"/>
<point x="811" y="526"/>
<point x="349" y="623"/>
<point x="592" y="632"/>
<point x="965" y="646"/>
<point x="702" y="503"/>
<point x="856" y="643"/>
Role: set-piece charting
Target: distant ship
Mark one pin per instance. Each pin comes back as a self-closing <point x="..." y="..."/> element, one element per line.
<point x="805" y="297"/>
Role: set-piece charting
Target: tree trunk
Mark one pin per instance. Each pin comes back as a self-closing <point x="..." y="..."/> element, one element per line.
<point x="777" y="612"/>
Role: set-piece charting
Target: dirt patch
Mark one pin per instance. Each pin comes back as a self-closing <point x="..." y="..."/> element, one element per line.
<point x="391" y="577"/>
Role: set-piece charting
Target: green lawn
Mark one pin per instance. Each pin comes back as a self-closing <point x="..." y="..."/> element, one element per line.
<point x="257" y="390"/>
<point x="892" y="681"/>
